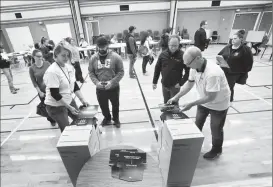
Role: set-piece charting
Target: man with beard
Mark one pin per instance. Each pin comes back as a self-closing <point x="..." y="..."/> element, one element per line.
<point x="171" y="66"/>
<point x="106" y="70"/>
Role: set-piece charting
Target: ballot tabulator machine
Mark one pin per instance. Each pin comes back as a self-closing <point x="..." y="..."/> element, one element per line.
<point x="79" y="141"/>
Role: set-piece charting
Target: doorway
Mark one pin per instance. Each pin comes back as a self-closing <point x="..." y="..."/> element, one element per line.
<point x="266" y="22"/>
<point x="92" y="31"/>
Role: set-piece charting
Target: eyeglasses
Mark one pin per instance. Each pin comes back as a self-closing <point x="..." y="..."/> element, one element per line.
<point x="39" y="56"/>
<point x="190" y="61"/>
<point x="173" y="46"/>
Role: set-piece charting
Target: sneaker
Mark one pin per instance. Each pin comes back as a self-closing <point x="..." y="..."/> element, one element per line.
<point x="105" y="122"/>
<point x="133" y="77"/>
<point x="16" y="89"/>
<point x="213" y="154"/>
<point x="13" y="92"/>
<point x="117" y="123"/>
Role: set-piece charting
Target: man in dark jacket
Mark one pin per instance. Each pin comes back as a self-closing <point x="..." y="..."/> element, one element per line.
<point x="171" y="66"/>
<point x="200" y="37"/>
<point x="163" y="43"/>
<point x="131" y="50"/>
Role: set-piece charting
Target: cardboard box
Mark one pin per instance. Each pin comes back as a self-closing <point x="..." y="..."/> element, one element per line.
<point x="180" y="145"/>
<point x="76" y="146"/>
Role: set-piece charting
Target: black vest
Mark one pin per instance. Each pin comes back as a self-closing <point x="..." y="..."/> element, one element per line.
<point x="129" y="51"/>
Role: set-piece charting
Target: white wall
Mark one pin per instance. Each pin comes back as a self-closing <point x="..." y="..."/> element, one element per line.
<point x="132" y="7"/>
<point x="204" y="4"/>
<point x="236" y="3"/>
<point x="15" y="3"/>
<point x="193" y="4"/>
<point x="32" y="14"/>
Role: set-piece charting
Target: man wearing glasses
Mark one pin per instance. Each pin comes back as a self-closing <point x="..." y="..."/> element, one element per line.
<point x="106" y="71"/>
<point x="171" y="66"/>
<point x="200" y="36"/>
<point x="214" y="96"/>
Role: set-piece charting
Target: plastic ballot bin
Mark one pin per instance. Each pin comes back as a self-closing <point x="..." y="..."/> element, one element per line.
<point x="180" y="143"/>
<point x="78" y="142"/>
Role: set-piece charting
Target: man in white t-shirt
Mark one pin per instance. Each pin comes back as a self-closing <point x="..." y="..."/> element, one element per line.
<point x="214" y="96"/>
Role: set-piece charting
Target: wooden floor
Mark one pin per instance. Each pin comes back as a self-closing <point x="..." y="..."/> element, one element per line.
<point x="30" y="158"/>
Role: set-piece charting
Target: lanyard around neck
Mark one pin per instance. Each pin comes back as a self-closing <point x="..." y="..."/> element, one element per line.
<point x="65" y="73"/>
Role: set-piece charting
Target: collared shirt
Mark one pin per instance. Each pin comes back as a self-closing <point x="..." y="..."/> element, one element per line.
<point x="212" y="79"/>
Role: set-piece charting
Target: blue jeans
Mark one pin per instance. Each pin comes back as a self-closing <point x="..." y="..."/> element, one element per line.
<point x="169" y="93"/>
<point x="217" y="122"/>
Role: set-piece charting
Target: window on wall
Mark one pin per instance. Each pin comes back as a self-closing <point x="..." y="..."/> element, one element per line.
<point x="124" y="7"/>
<point x="58" y="31"/>
<point x="18" y="42"/>
<point x="266" y="22"/>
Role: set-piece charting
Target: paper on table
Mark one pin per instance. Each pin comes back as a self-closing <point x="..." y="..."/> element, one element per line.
<point x="222" y="61"/>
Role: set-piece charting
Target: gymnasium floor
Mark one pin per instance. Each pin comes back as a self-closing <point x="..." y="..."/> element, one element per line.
<point x="30" y="159"/>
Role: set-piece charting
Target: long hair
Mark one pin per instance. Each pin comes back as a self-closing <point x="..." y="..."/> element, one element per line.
<point x="144" y="36"/>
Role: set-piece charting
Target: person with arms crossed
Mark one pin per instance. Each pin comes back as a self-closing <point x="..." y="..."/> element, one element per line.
<point x="214" y="96"/>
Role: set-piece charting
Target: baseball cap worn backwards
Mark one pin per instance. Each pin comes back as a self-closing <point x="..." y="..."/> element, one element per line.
<point x="102" y="42"/>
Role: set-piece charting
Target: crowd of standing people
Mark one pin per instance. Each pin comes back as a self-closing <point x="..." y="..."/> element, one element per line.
<point x="55" y="70"/>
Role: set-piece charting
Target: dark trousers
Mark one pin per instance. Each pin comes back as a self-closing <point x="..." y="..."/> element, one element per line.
<point x="168" y="93"/>
<point x="48" y="118"/>
<point x="234" y="78"/>
<point x="217" y="123"/>
<point x="144" y="63"/>
<point x="60" y="114"/>
<point x="103" y="97"/>
<point x="78" y="71"/>
<point x="82" y="55"/>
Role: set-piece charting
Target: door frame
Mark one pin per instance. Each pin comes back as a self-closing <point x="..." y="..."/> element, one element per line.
<point x="262" y="18"/>
<point x="256" y="23"/>
<point x="86" y="28"/>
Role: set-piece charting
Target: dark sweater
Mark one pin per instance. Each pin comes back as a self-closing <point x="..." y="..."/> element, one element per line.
<point x="37" y="74"/>
<point x="200" y="39"/>
<point x="131" y="44"/>
<point x="239" y="60"/>
<point x="171" y="67"/>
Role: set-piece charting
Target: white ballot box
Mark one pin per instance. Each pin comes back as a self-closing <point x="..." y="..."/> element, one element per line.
<point x="76" y="146"/>
<point x="180" y="145"/>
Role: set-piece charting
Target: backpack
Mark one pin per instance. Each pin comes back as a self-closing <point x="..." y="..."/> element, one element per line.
<point x="143" y="50"/>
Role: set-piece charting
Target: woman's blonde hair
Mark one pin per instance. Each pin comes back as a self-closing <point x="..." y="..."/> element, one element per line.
<point x="59" y="47"/>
